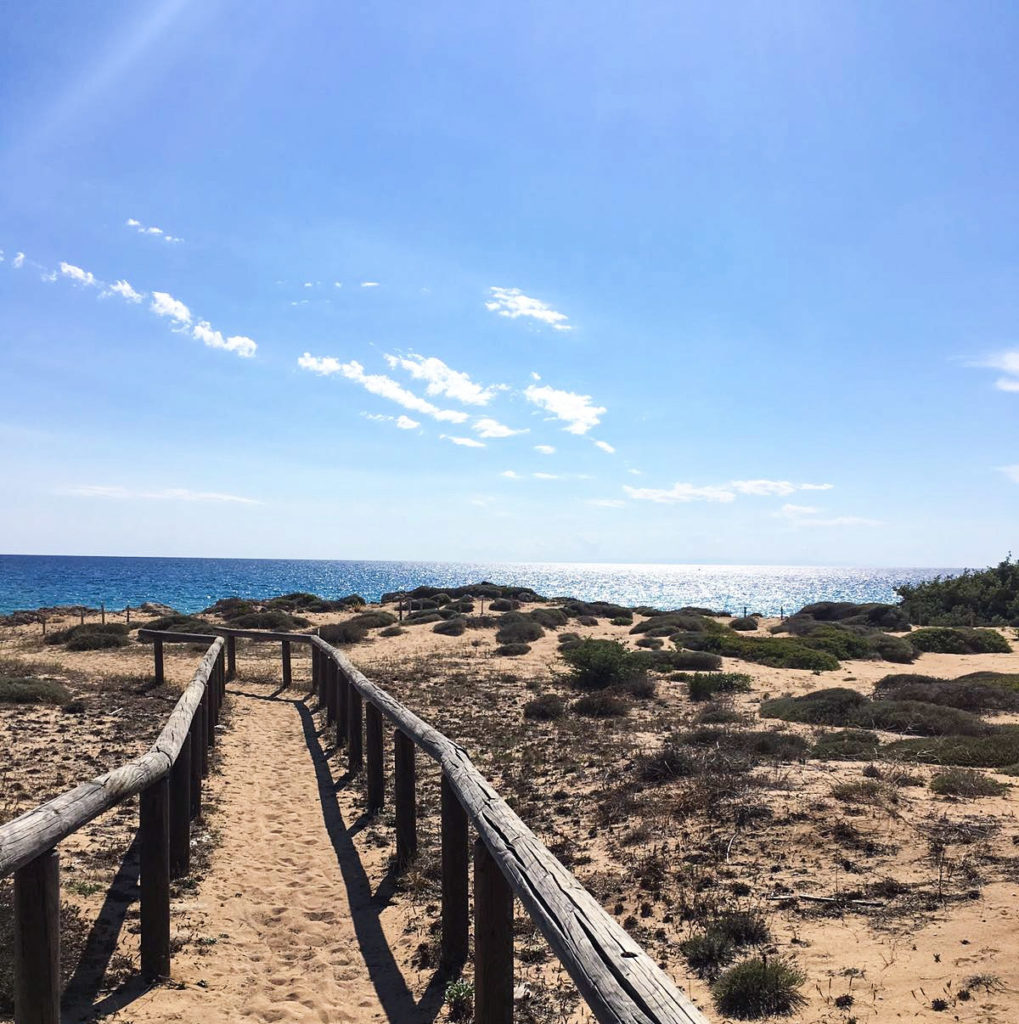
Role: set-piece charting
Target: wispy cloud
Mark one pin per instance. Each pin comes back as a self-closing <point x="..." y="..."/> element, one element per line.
<point x="152" y="230"/>
<point x="164" y="304"/>
<point x="510" y="474"/>
<point x="493" y="428"/>
<point x="605" y="447"/>
<point x="680" y="493"/>
<point x="166" y="494"/>
<point x="19" y="260"/>
<point x="378" y="384"/>
<point x="464" y="442"/>
<point x="545" y="476"/>
<point x="577" y="411"/>
<point x="77" y="274"/>
<point x="401" y="422"/>
<point x="441" y="379"/>
<point x="124" y="290"/>
<point x="1012" y="472"/>
<point x="810" y="515"/>
<point x="512" y="303"/>
<point x="545" y="449"/>
<point x="369" y="284"/>
<point x="205" y="333"/>
<point x="607" y="502"/>
<point x="779" y="488"/>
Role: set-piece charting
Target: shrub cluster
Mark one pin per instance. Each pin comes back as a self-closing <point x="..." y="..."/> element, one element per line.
<point x="959" y="640"/>
<point x="704" y="686"/>
<point x="29" y="690"/>
<point x="92" y="636"/>
<point x="517" y="628"/>
<point x="976" y="692"/>
<point x="777" y="652"/>
<point x="989" y="597"/>
<point x="965" y="782"/>
<point x="759" y="987"/>
<point x="450" y="627"/>
<point x="545" y="708"/>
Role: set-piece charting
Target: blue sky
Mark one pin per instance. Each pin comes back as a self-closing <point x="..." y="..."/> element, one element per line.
<point x="580" y="282"/>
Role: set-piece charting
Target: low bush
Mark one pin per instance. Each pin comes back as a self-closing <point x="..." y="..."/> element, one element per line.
<point x="32" y="691"/>
<point x="343" y="633"/>
<point x="666" y="623"/>
<point x="374" y="619"/>
<point x="90" y="640"/>
<point x="759" y="987"/>
<point x="550" y="618"/>
<point x="977" y="692"/>
<point x="231" y="607"/>
<point x="917" y="718"/>
<point x="833" y="706"/>
<point x="587" y="620"/>
<point x="695" y="661"/>
<point x="998" y="749"/>
<point x="600" y="705"/>
<point x="600" y="664"/>
<point x="421" y="618"/>
<point x="948" y="640"/>
<point x="392" y="631"/>
<point x="704" y="686"/>
<point x="545" y="708"/>
<point x="515" y="628"/>
<point x="503" y="604"/>
<point x="846" y="745"/>
<point x="777" y="652"/>
<point x="178" y="623"/>
<point x="621" y="620"/>
<point x="568" y="638"/>
<point x="450" y="627"/>
<point x="278" y="621"/>
<point x="990" y="597"/>
<point x="744" y="625"/>
<point x="63" y="636"/>
<point x="965" y="782"/>
<point x="707" y="953"/>
<point x="512" y="650"/>
<point x="650" y="642"/>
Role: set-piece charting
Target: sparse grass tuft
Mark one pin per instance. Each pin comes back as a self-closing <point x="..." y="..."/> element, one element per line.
<point x="546" y="708"/>
<point x="759" y="987"/>
<point x="33" y="691"/>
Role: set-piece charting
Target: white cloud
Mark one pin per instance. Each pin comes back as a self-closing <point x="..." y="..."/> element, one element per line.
<point x="442" y="380"/>
<point x="816" y="487"/>
<point x="84" y="277"/>
<point x="512" y="303"/>
<point x="1007" y="384"/>
<point x="493" y="428"/>
<point x="337" y="284"/>
<point x="578" y="411"/>
<point x="545" y="476"/>
<point x="19" y="260"/>
<point x="124" y="290"/>
<point x="131" y="222"/>
<point x="49" y="277"/>
<point x="545" y="449"/>
<point x="605" y="447"/>
<point x="369" y="284"/>
<point x="401" y="422"/>
<point x="680" y="492"/>
<point x="535" y="375"/>
<point x="166" y="494"/>
<point x="204" y="332"/>
<point x="164" y="304"/>
<point x="779" y="488"/>
<point x="607" y="502"/>
<point x="406" y="423"/>
<point x="464" y="442"/>
<point x="510" y="474"/>
<point x="378" y="384"/>
<point x="635" y="472"/>
<point x="309" y="284"/>
<point x="809" y="515"/>
<point x="1012" y="472"/>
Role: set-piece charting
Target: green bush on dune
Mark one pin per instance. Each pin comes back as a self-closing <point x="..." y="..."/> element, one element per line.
<point x="777" y="652"/>
<point x="989" y="597"/>
<point x="30" y="690"/>
<point x="959" y="640"/>
<point x="64" y="636"/>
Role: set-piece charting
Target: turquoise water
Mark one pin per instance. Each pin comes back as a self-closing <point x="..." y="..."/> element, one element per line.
<point x="190" y="584"/>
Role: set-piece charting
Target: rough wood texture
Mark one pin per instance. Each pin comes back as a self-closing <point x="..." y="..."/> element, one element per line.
<point x="455" y="880"/>
<point x="37" y="941"/>
<point x="285" y="656"/>
<point x="374" y="759"/>
<point x="493" y="941"/>
<point x="180" y="812"/>
<point x="618" y="980"/>
<point x="231" y="655"/>
<point x="154" y="849"/>
<point x="355" y="731"/>
<point x="157" y="657"/>
<point x="405" y="798"/>
<point x="37" y="831"/>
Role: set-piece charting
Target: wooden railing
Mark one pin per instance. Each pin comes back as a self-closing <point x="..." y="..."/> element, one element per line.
<point x="618" y="980"/>
<point x="169" y="778"/>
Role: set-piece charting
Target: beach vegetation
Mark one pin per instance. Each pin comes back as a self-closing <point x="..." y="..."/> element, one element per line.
<point x="343" y="633"/>
<point x="846" y="745"/>
<point x="601" y="665"/>
<point x="450" y="627"/>
<point x="999" y="748"/>
<point x="776" y="652"/>
<point x="744" y="624"/>
<point x="959" y="640"/>
<point x="600" y="704"/>
<point x="63" y="636"/>
<point x="512" y="650"/>
<point x="759" y="987"/>
<point x="550" y="618"/>
<point x="976" y="692"/>
<point x="276" y="620"/>
<point x="516" y="628"/>
<point x="392" y="631"/>
<point x="705" y="685"/>
<point x="546" y="708"/>
<point x="989" y="597"/>
<point x="180" y="623"/>
<point x="31" y="690"/>
<point x="964" y="782"/>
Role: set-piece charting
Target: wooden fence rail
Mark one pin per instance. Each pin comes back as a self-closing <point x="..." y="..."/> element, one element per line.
<point x="169" y="779"/>
<point x="619" y="981"/>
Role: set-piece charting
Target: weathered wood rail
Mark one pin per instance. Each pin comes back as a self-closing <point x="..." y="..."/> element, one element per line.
<point x="168" y="778"/>
<point x="618" y="980"/>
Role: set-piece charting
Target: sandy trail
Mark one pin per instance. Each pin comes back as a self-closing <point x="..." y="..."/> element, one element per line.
<point x="293" y="915"/>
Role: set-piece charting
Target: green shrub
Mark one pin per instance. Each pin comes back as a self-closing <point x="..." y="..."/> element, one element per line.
<point x="178" y="623"/>
<point x="917" y="718"/>
<point x="374" y="619"/>
<point x="833" y="706"/>
<point x="587" y="620"/>
<point x="621" y="620"/>
<point x="651" y="642"/>
<point x="695" y="661"/>
<point x="600" y="664"/>
<point x="600" y="705"/>
<point x="392" y="631"/>
<point x="550" y="618"/>
<point x="277" y="621"/>
<point x="675" y="760"/>
<point x="759" y="987"/>
<point x="512" y="650"/>
<point x="846" y="745"/>
<point x="87" y="640"/>
<point x="32" y="691"/>
<point x="777" y="652"/>
<point x="667" y="623"/>
<point x="707" y="953"/>
<point x="976" y="692"/>
<point x="343" y="632"/>
<point x="451" y="627"/>
<point x="460" y="1000"/>
<point x="568" y="638"/>
<point x="704" y="686"/>
<point x="742" y="927"/>
<point x="515" y="628"/>
<point x="989" y="597"/>
<point x="231" y="607"/>
<point x="998" y="749"/>
<point x="545" y="708"/>
<point x="967" y="783"/>
<point x="63" y="636"/>
<point x="421" y="618"/>
<point x="946" y="640"/>
<point x="744" y="624"/>
<point x="503" y="604"/>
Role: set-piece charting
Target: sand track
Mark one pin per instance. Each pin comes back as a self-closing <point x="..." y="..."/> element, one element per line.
<point x="293" y="915"/>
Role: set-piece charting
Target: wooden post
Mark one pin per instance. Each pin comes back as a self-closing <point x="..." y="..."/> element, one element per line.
<point x="332" y="687"/>
<point x="196" y="763"/>
<point x="455" y="905"/>
<point x="343" y="690"/>
<point x="285" y="653"/>
<point x="405" y="797"/>
<point x="231" y="657"/>
<point x="157" y="654"/>
<point x="127" y="614"/>
<point x="81" y="615"/>
<point x="375" y="758"/>
<point x="355" y="742"/>
<point x="211" y="709"/>
<point x="42" y="619"/>
<point x="203" y="710"/>
<point x="155" y="879"/>
<point x="102" y="611"/>
<point x="180" y="812"/>
<point x="493" y="941"/>
<point x="37" y="941"/>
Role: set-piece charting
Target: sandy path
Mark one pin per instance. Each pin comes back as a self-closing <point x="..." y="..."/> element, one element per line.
<point x="282" y="892"/>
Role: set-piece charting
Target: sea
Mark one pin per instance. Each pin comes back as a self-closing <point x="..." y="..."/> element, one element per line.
<point x="191" y="584"/>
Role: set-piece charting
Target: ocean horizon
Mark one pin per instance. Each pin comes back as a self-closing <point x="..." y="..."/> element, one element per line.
<point x="190" y="584"/>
